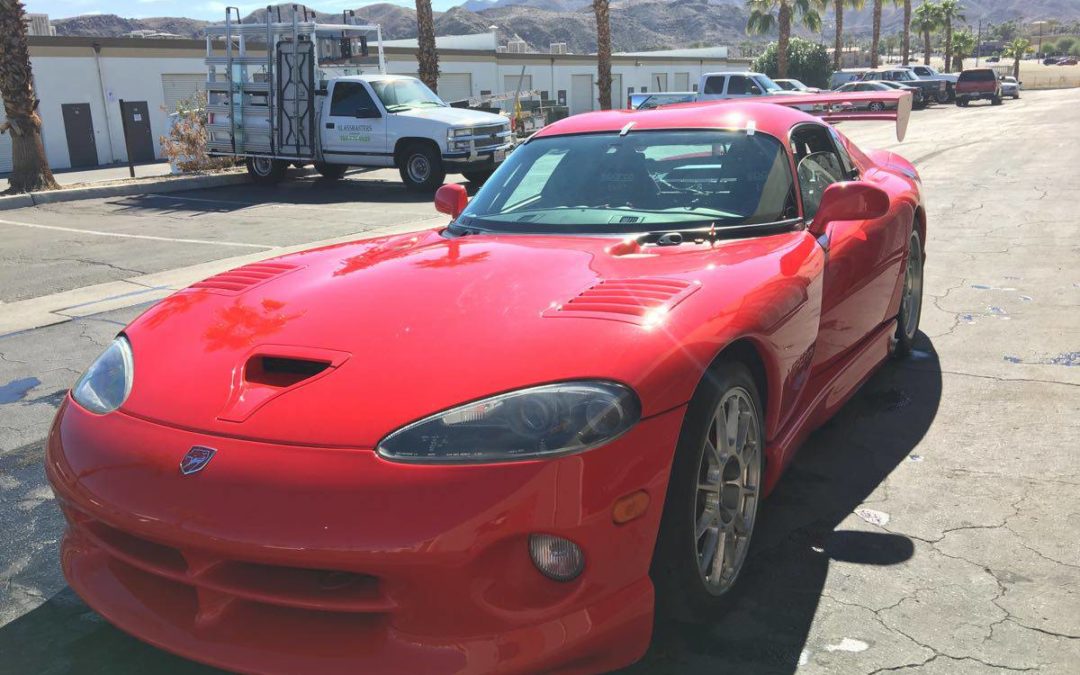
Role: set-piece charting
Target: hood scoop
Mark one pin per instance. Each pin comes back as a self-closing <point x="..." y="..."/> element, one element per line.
<point x="273" y="370"/>
<point x="244" y="278"/>
<point x="642" y="301"/>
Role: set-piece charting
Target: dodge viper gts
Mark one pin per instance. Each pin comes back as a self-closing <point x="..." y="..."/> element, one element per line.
<point x="506" y="444"/>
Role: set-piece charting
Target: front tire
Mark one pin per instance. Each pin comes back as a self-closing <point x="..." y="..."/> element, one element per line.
<point x="421" y="168"/>
<point x="995" y="100"/>
<point x="266" y="171"/>
<point x="712" y="497"/>
<point x="942" y="96"/>
<point x="331" y="171"/>
<point x="907" y="321"/>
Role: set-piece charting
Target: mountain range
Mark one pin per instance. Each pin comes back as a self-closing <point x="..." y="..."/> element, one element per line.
<point x="637" y="25"/>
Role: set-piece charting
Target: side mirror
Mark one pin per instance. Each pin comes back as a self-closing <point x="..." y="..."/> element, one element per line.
<point x="451" y="199"/>
<point x="851" y="200"/>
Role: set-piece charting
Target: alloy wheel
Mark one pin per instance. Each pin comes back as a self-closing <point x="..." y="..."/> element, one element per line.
<point x="911" y="302"/>
<point x="729" y="483"/>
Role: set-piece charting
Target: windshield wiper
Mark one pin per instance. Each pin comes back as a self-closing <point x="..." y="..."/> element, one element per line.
<point x="712" y="231"/>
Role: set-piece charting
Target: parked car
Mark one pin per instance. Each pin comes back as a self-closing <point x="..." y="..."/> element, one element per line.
<point x="993" y="59"/>
<point x="1010" y="86"/>
<point x="1050" y="60"/>
<point x="737" y="85"/>
<point x="932" y="73"/>
<point x="978" y="83"/>
<point x="933" y="89"/>
<point x="1067" y="61"/>
<point x="839" y="77"/>
<point x="794" y="85"/>
<point x="382" y="457"/>
<point x="918" y="100"/>
<point x="873" y="106"/>
<point x="648" y="101"/>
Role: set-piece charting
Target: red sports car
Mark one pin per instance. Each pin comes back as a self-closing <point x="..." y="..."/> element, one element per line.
<point x="501" y="445"/>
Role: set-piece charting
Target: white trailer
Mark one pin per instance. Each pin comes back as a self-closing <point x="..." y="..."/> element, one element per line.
<point x="302" y="92"/>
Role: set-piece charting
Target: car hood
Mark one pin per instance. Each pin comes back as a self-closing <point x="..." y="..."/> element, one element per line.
<point x="409" y="325"/>
<point x="452" y="117"/>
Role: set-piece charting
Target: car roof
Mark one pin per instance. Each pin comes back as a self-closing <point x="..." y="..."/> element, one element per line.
<point x="769" y="118"/>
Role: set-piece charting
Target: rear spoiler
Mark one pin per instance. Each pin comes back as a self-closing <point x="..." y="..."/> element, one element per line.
<point x="841" y="107"/>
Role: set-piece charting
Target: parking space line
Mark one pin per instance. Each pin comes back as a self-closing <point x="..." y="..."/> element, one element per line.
<point x="149" y="237"/>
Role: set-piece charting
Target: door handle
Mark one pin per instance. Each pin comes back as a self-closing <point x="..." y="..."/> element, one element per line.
<point x="329" y="125"/>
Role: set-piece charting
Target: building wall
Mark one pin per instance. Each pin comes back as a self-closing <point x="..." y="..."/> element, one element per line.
<point x="66" y="70"/>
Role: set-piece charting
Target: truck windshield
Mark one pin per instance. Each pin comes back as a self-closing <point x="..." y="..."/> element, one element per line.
<point x="402" y="94"/>
<point x="766" y="82"/>
<point x="644" y="181"/>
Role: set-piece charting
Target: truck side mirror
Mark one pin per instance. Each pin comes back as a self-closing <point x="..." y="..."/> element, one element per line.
<point x="451" y="199"/>
<point x="849" y="200"/>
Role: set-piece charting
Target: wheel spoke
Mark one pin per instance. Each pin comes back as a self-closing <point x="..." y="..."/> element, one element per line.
<point x="708" y="551"/>
<point x="743" y="432"/>
<point x="706" y="520"/>
<point x="713" y="452"/>
<point x="720" y="559"/>
<point x="731" y="426"/>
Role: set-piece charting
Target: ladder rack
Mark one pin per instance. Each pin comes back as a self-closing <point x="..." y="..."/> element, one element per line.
<point x="269" y="99"/>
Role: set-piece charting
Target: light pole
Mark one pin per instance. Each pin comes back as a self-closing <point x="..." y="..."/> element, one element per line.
<point x="1040" y="24"/>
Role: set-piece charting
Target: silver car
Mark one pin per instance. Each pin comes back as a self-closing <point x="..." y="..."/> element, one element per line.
<point x="1010" y="86"/>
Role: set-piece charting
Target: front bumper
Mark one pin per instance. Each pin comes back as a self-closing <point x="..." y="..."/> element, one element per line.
<point x="477" y="160"/>
<point x="296" y="559"/>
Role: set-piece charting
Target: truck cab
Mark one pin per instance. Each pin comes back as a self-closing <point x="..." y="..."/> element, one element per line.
<point x="738" y="85"/>
<point x="396" y="120"/>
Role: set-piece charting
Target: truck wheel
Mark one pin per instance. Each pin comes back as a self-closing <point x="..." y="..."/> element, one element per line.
<point x="478" y="177"/>
<point x="331" y="171"/>
<point x="265" y="171"/>
<point x="421" y="168"/>
<point x="942" y="97"/>
<point x="995" y="100"/>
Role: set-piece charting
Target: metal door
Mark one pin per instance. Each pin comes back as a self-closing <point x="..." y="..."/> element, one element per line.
<point x="82" y="147"/>
<point x="136" y="125"/>
<point x="582" y="94"/>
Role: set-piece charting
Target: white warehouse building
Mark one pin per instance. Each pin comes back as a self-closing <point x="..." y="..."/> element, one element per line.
<point x="80" y="82"/>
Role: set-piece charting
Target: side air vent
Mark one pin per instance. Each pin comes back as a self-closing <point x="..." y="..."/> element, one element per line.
<point x="643" y="301"/>
<point x="276" y="371"/>
<point x="527" y="217"/>
<point x="244" y="278"/>
<point x="626" y="220"/>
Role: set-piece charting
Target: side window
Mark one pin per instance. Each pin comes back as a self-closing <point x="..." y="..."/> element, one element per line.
<point x="348" y="98"/>
<point x="817" y="162"/>
<point x="736" y="85"/>
<point x="714" y="85"/>
<point x="851" y="172"/>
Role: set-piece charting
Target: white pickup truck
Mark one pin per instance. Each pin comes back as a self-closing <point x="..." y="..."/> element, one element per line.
<point x="739" y="85"/>
<point x="307" y="99"/>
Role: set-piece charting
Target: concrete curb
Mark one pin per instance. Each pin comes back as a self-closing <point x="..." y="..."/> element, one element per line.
<point x="155" y="185"/>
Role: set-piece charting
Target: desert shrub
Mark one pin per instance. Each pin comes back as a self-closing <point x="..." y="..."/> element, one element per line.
<point x="185" y="144"/>
<point x="808" y="62"/>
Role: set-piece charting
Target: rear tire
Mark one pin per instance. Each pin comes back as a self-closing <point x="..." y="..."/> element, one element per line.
<point x="331" y="171"/>
<point x="907" y="320"/>
<point x="995" y="100"/>
<point x="712" y="497"/>
<point x="942" y="97"/>
<point x="421" y="168"/>
<point x="266" y="171"/>
<point x="478" y="177"/>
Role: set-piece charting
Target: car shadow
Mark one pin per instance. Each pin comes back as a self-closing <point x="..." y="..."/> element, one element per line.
<point x="765" y="626"/>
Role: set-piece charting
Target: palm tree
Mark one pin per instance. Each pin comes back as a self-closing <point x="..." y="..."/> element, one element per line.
<point x="838" y="10"/>
<point x="764" y="14"/>
<point x="603" y="52"/>
<point x="951" y="10"/>
<point x="876" y="38"/>
<point x="926" y="20"/>
<point x="30" y="168"/>
<point x="905" y="43"/>
<point x="1015" y="49"/>
<point x="963" y="45"/>
<point x="426" y="56"/>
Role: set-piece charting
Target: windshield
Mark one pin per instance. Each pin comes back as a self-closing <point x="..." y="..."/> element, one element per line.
<point x="405" y="93"/>
<point x="767" y="83"/>
<point x="639" y="182"/>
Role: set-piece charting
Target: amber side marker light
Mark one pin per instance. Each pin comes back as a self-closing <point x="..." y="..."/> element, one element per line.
<point x="633" y="505"/>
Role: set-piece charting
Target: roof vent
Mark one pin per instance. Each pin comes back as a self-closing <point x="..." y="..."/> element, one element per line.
<point x="244" y="278"/>
<point x="642" y="301"/>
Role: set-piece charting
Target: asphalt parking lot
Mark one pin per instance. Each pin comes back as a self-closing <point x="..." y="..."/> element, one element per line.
<point x="933" y="526"/>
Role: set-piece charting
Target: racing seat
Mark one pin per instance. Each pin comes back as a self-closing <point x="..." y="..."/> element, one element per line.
<point x="624" y="180"/>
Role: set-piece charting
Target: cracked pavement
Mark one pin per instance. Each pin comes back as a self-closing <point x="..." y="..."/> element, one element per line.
<point x="932" y="527"/>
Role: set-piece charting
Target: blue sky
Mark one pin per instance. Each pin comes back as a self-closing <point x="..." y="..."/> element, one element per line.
<point x="195" y="9"/>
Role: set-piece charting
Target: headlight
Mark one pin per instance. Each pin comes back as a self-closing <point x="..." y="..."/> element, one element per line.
<point x="460" y="132"/>
<point x="107" y="382"/>
<point x="552" y="419"/>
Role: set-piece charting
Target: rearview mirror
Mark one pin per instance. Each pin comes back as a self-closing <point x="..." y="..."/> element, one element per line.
<point x="451" y="199"/>
<point x="850" y="200"/>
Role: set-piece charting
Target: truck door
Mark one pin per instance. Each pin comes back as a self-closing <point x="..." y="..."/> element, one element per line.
<point x="739" y="86"/>
<point x="354" y="126"/>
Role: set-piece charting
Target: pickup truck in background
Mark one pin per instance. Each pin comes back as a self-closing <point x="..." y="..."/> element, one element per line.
<point x="739" y="85"/>
<point x="933" y="90"/>
<point x="931" y="73"/>
<point x="318" y="96"/>
<point x="978" y="83"/>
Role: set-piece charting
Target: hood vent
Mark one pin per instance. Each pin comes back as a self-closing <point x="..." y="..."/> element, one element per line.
<point x="643" y="301"/>
<point x="244" y="278"/>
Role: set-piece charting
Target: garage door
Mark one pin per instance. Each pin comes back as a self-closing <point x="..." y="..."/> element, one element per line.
<point x="510" y="83"/>
<point x="455" y="86"/>
<point x="179" y="86"/>
<point x="5" y="146"/>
